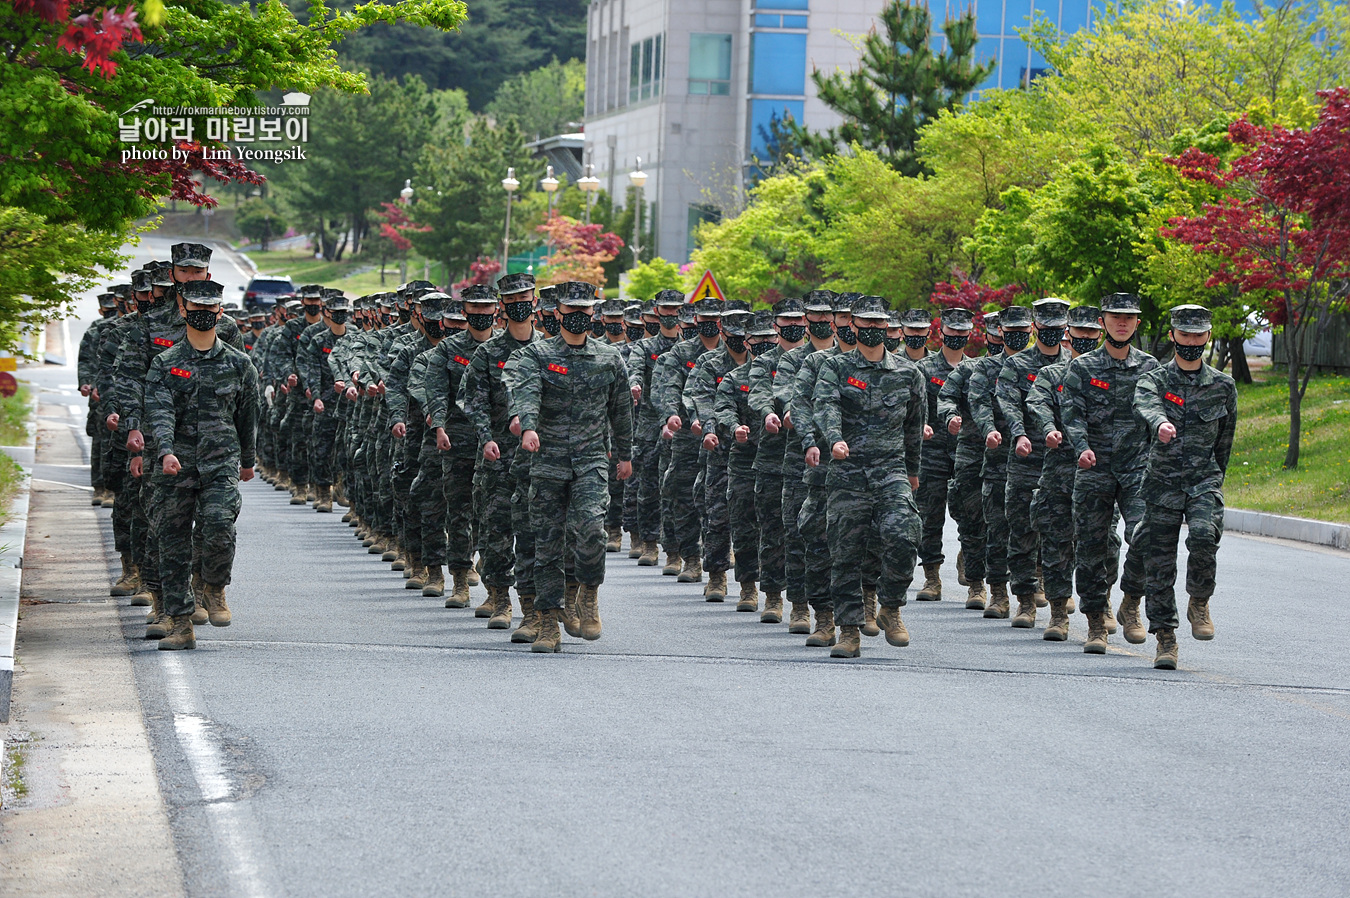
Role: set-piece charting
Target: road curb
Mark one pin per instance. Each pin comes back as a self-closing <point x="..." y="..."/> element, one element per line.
<point x="12" y="539"/>
<point x="1303" y="530"/>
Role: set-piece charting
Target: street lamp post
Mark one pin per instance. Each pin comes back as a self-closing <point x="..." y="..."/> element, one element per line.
<point x="589" y="185"/>
<point x="405" y="197"/>
<point x="550" y="186"/>
<point x="510" y="185"/>
<point x="638" y="178"/>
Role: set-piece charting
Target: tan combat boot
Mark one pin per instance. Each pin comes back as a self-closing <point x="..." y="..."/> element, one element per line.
<point x="433" y="583"/>
<point x="310" y="495"/>
<point x="418" y="578"/>
<point x="716" y="590"/>
<point x="824" y="632"/>
<point x="849" y="645"/>
<point x="347" y="516"/>
<point x="409" y="569"/>
<point x="961" y="568"/>
<point x="615" y="541"/>
<point x="635" y="546"/>
<point x="897" y="634"/>
<point x="773" y="607"/>
<point x="932" y="584"/>
<point x="390" y="553"/>
<point x="1039" y="596"/>
<point x="1166" y="659"/>
<point x="213" y="597"/>
<point x="998" y="606"/>
<point x="1072" y="606"/>
<point x="379" y="544"/>
<point x="143" y="596"/>
<point x="180" y="634"/>
<point x="485" y="609"/>
<point x="651" y="555"/>
<point x="97" y="498"/>
<point x="474" y="577"/>
<point x="548" y="639"/>
<point x="1202" y="627"/>
<point x="799" y="618"/>
<point x="1096" y="641"/>
<point x="323" y="499"/>
<point x="160" y="623"/>
<point x="1025" y="619"/>
<point x="749" y="600"/>
<point x="588" y="609"/>
<point x="571" y="613"/>
<point x="501" y="608"/>
<point x="1058" y="628"/>
<point x="529" y="621"/>
<point x="692" y="572"/>
<point x="109" y="498"/>
<point x="1128" y="615"/>
<point x="673" y="564"/>
<point x="282" y="481"/>
<point x="400" y="561"/>
<point x="870" y="626"/>
<point x="126" y="584"/>
<point x="199" y="616"/>
<point x="297" y="494"/>
<point x="976" y="596"/>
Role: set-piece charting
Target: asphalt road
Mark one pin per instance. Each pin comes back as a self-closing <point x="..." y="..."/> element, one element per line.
<point x="348" y="737"/>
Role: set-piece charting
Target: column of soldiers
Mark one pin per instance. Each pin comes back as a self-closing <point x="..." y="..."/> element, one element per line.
<point x="812" y="451"/>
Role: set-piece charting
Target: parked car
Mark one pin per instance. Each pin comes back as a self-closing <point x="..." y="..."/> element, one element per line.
<point x="266" y="291"/>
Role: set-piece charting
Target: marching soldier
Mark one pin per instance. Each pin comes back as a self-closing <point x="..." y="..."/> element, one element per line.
<point x="651" y="454"/>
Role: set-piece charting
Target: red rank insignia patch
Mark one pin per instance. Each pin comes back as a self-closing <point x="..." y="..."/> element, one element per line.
<point x="937" y="380"/>
<point x="688" y="364"/>
<point x="1031" y="377"/>
<point x="556" y="368"/>
<point x="179" y="372"/>
<point x="719" y="380"/>
<point x="1173" y="397"/>
<point x="461" y="360"/>
<point x="501" y="364"/>
<point x="160" y="341"/>
<point x="745" y="388"/>
<point x="773" y="373"/>
<point x="854" y="382"/>
<point x="1100" y="383"/>
<point x="1060" y="388"/>
<point x="653" y="356"/>
<point x="328" y="349"/>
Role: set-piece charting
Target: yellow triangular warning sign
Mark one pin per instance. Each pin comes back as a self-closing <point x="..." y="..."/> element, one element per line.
<point x="707" y="289"/>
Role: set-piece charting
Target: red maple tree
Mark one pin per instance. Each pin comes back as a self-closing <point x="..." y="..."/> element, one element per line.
<point x="395" y="222"/>
<point x="482" y="271"/>
<point x="963" y="293"/>
<point x="1282" y="230"/>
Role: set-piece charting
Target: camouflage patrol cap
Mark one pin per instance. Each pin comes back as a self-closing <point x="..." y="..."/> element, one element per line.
<point x="337" y="302"/>
<point x="958" y="319"/>
<point x="577" y="293"/>
<point x="454" y="311"/>
<point x="1085" y="316"/>
<point x="916" y="318"/>
<point x="820" y="301"/>
<point x="206" y="293"/>
<point x="632" y="313"/>
<point x="548" y="299"/>
<point x="761" y="324"/>
<point x="687" y="313"/>
<point x="191" y="255"/>
<point x="161" y="274"/>
<point x="122" y="290"/>
<point x="789" y="307"/>
<point x="669" y="298"/>
<point x="734" y="307"/>
<point x="417" y="289"/>
<point x="1121" y="304"/>
<point x="736" y="324"/>
<point x="239" y="315"/>
<point x="1050" y="312"/>
<point x="990" y="321"/>
<point x="843" y="302"/>
<point x="330" y="292"/>
<point x="648" y="307"/>
<point x="709" y="308"/>
<point x="107" y="300"/>
<point x="1015" y="316"/>
<point x="871" y="308"/>
<point x="479" y="293"/>
<point x="257" y="312"/>
<point x="310" y="291"/>
<point x="1191" y="319"/>
<point x="611" y="307"/>
<point x="515" y="283"/>
<point x="140" y="281"/>
<point x="892" y="321"/>
<point x="291" y="305"/>
<point x="434" y="305"/>
<point x="386" y="299"/>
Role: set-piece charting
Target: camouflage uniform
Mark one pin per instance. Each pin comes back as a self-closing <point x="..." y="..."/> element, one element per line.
<point x="677" y="486"/>
<point x="988" y="416"/>
<point x="731" y="409"/>
<point x="647" y="443"/>
<point x="964" y="496"/>
<point x="768" y="470"/>
<point x="317" y="377"/>
<point x="938" y="463"/>
<point x="406" y="452"/>
<point x="700" y="398"/>
<point x="812" y="520"/>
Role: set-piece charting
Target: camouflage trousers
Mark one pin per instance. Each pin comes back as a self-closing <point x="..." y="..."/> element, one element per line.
<point x="298" y="429"/>
<point x="811" y="523"/>
<point x="522" y="528"/>
<point x="1024" y="540"/>
<point x="630" y="503"/>
<point x="568" y="513"/>
<point x="614" y="516"/>
<point x="1156" y="541"/>
<point x="880" y="522"/>
<point x="1052" y="512"/>
<point x="678" y="501"/>
<point x="934" y="476"/>
<point x="281" y="447"/>
<point x="322" y="447"/>
<point x="97" y="433"/>
<point x="716" y="515"/>
<point x="117" y="478"/>
<point x="647" y="474"/>
<point x="967" y="508"/>
<point x="794" y="546"/>
<point x="456" y="507"/>
<point x="744" y="523"/>
<point x="993" y="488"/>
<point x="407" y="522"/>
<point x="426" y="509"/>
<point x="492" y="482"/>
<point x="772" y="543"/>
<point x="210" y="509"/>
<point x="1096" y="497"/>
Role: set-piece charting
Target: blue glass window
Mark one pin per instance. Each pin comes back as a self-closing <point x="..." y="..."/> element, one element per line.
<point x="710" y="64"/>
<point x="644" y="69"/>
<point x="768" y="21"/>
<point x="762" y="111"/>
<point x="781" y="4"/>
<point x="989" y="17"/>
<point x="1075" y="16"/>
<point x="778" y="63"/>
<point x="794" y="21"/>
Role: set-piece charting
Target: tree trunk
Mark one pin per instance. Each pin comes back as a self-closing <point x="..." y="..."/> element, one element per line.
<point x="1238" y="355"/>
<point x="383" y="259"/>
<point x="1295" y="403"/>
<point x="341" y="247"/>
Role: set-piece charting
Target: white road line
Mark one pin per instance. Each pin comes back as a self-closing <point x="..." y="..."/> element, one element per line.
<point x="231" y="819"/>
<point x="73" y="486"/>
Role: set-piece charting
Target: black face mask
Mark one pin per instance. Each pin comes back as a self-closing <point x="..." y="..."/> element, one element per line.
<point x="1189" y="353"/>
<point x="1016" y="340"/>
<point x="635" y="332"/>
<point x="597" y="327"/>
<point x="1083" y="344"/>
<point x="666" y="321"/>
<point x="689" y="332"/>
<point x="821" y="330"/>
<point x="792" y="333"/>
<point x="433" y="329"/>
<point x="892" y="343"/>
<point x="109" y="313"/>
<point x="481" y="321"/>
<point x="579" y="322"/>
<point x="519" y="311"/>
<point x="957" y="342"/>
<point x="339" y="317"/>
<point x="846" y="335"/>
<point x="552" y="326"/>
<point x="312" y="310"/>
<point x="761" y="347"/>
<point x="916" y="341"/>
<point x="1119" y="344"/>
<point x="1050" y="336"/>
<point x="144" y="305"/>
<point x="614" y="327"/>
<point x="872" y="336"/>
<point x="385" y="319"/>
<point x="200" y="319"/>
<point x="735" y="343"/>
<point x="404" y="316"/>
<point x="709" y="328"/>
<point x="994" y="348"/>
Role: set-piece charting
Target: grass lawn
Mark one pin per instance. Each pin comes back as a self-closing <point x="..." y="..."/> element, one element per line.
<point x="1320" y="487"/>
<point x="13" y="432"/>
<point x="356" y="278"/>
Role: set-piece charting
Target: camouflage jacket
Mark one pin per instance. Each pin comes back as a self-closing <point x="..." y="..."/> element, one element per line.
<point x="988" y="414"/>
<point x="700" y="395"/>
<point x="573" y="397"/>
<point x="314" y="359"/>
<point x="878" y="409"/>
<point x="668" y="382"/>
<point x="784" y="390"/>
<point x="484" y="396"/>
<point x="641" y="366"/>
<point x="280" y="362"/>
<point x="1043" y="416"/>
<point x="939" y="448"/>
<point x="762" y="376"/>
<point x="731" y="409"/>
<point x="203" y="408"/>
<point x="1015" y="382"/>
<point x="447" y="367"/>
<point x="1202" y="406"/>
<point x="397" y="397"/>
<point x="802" y="407"/>
<point x="86" y="360"/>
<point x="1098" y="409"/>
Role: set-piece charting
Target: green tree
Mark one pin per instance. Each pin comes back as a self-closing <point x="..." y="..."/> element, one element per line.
<point x="650" y="278"/>
<point x="900" y="85"/>
<point x="545" y="101"/>
<point x="259" y="220"/>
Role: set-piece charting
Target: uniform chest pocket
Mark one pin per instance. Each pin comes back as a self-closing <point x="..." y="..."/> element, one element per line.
<point x="557" y="376"/>
<point x="226" y="396"/>
<point x="1098" y="401"/>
